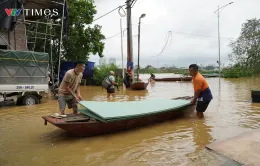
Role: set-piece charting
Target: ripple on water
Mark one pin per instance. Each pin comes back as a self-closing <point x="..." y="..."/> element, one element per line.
<point x="177" y="142"/>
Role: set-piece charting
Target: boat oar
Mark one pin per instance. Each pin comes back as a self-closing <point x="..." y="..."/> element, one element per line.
<point x="183" y="98"/>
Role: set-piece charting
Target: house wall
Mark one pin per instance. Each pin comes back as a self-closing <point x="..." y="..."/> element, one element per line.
<point x="17" y="38"/>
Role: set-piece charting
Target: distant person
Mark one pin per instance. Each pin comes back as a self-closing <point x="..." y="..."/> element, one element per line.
<point x="202" y="93"/>
<point x="130" y="73"/>
<point x="69" y="89"/>
<point x="152" y="77"/>
<point x="111" y="89"/>
<point x="127" y="80"/>
<point x="50" y="80"/>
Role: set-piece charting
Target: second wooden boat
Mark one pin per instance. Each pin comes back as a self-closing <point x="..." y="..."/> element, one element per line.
<point x="139" y="86"/>
<point x="174" y="79"/>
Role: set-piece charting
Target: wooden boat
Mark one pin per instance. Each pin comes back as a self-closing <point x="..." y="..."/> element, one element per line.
<point x="174" y="79"/>
<point x="82" y="125"/>
<point x="210" y="75"/>
<point x="139" y="86"/>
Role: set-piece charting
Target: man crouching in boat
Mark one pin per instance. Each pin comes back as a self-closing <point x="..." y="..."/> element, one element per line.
<point x="202" y="93"/>
<point x="69" y="86"/>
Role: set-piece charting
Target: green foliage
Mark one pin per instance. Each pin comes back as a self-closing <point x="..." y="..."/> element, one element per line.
<point x="246" y="50"/>
<point x="150" y="69"/>
<point x="101" y="72"/>
<point x="147" y="70"/>
<point x="186" y="72"/>
<point x="237" y="71"/>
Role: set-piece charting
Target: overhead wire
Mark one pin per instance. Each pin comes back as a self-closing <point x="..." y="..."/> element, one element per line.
<point x="190" y="34"/>
<point x="119" y="7"/>
<point x="133" y="3"/>
<point x="168" y="36"/>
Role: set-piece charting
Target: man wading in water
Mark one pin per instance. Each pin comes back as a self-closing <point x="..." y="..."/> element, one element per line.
<point x="111" y="89"/>
<point x="202" y="93"/>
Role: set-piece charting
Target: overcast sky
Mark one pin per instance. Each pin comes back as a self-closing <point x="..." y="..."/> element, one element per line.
<point x="193" y="25"/>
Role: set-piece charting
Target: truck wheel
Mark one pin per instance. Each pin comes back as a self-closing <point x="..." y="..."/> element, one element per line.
<point x="30" y="100"/>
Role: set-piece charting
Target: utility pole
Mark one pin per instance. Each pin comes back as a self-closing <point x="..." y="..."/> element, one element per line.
<point x="218" y="13"/>
<point x="122" y="51"/>
<point x="218" y="46"/>
<point x="130" y="60"/>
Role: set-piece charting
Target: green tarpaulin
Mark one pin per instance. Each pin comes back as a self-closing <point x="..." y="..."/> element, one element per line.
<point x="23" y="67"/>
<point x="111" y="111"/>
<point x="23" y="58"/>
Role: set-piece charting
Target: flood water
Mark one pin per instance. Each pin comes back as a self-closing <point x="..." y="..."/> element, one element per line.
<point x="26" y="141"/>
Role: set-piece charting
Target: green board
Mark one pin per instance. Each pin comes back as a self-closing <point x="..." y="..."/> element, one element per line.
<point x="111" y="111"/>
<point x="87" y="112"/>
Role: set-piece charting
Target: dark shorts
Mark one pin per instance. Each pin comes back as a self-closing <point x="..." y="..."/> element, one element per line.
<point x="111" y="90"/>
<point x="69" y="100"/>
<point x="202" y="106"/>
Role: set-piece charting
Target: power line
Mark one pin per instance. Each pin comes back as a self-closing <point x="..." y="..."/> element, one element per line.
<point x="113" y="36"/>
<point x="119" y="7"/>
<point x="200" y="35"/>
<point x="116" y="34"/>
<point x="119" y="34"/>
<point x="169" y="35"/>
<point x="133" y="3"/>
<point x="184" y="33"/>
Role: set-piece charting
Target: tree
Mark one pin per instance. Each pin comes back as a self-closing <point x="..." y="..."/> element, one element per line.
<point x="101" y="72"/>
<point x="84" y="39"/>
<point x="246" y="49"/>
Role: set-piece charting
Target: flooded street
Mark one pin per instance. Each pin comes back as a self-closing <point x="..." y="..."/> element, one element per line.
<point x="26" y="141"/>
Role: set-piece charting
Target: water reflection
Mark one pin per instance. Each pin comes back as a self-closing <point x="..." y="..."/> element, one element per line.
<point x="152" y="84"/>
<point x="201" y="133"/>
<point x="170" y="143"/>
<point x="244" y="107"/>
<point x="219" y="90"/>
<point x="176" y="142"/>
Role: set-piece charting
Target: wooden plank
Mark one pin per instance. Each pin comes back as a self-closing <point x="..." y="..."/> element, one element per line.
<point x="244" y="148"/>
<point x="76" y="118"/>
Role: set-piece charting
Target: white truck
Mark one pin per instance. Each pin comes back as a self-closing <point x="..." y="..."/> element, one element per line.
<point x="23" y="77"/>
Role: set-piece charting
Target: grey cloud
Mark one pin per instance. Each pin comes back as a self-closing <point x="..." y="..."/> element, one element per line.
<point x="191" y="17"/>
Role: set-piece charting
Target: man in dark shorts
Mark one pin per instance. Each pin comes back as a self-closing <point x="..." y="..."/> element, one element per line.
<point x="111" y="89"/>
<point x="69" y="92"/>
<point x="202" y="93"/>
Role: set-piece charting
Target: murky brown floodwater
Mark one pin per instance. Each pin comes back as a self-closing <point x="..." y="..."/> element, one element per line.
<point x="25" y="141"/>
